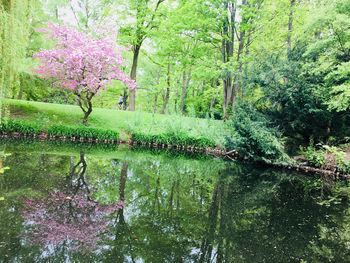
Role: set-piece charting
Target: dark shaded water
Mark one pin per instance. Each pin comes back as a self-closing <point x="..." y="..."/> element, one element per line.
<point x="71" y="204"/>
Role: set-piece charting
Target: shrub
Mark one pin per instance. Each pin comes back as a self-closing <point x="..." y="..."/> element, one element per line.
<point x="327" y="155"/>
<point x="314" y="157"/>
<point x="175" y="138"/>
<point x="82" y="132"/>
<point x="20" y="126"/>
<point x="339" y="157"/>
<point x="252" y="137"/>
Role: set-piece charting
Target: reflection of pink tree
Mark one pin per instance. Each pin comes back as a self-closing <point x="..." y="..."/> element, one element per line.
<point x="61" y="218"/>
<point x="70" y="217"/>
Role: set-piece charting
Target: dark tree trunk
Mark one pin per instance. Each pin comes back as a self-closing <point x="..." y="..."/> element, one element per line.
<point x="238" y="74"/>
<point x="185" y="83"/>
<point x="215" y="84"/>
<point x="86" y="115"/>
<point x="167" y="91"/>
<point x="155" y="103"/>
<point x="132" y="93"/>
<point x="87" y="111"/>
<point x="227" y="50"/>
<point x="85" y="103"/>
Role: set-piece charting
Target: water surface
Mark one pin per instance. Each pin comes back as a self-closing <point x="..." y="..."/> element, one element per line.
<point x="60" y="203"/>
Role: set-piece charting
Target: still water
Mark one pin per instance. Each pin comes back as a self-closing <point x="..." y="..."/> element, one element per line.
<point x="60" y="203"/>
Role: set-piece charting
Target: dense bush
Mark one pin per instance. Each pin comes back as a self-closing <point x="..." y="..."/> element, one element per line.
<point x="253" y="138"/>
<point x="314" y="157"/>
<point x="20" y="126"/>
<point x="83" y="132"/>
<point x="327" y="156"/>
<point x="178" y="138"/>
<point x="299" y="106"/>
<point x="30" y="128"/>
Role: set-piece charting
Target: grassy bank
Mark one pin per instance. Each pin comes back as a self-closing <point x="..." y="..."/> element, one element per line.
<point x="127" y="124"/>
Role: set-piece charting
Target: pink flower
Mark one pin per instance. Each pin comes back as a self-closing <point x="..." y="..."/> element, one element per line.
<point x="79" y="61"/>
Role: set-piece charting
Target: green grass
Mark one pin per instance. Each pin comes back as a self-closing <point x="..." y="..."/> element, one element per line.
<point x="46" y="115"/>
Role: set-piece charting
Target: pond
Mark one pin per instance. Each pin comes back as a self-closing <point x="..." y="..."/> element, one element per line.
<point x="65" y="203"/>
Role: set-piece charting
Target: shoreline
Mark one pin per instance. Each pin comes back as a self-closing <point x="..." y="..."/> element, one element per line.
<point x="232" y="155"/>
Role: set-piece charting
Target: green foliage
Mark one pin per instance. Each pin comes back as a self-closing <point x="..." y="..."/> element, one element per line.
<point x="314" y="157"/>
<point x="178" y="138"/>
<point x="82" y="132"/>
<point x="340" y="98"/>
<point x="292" y="99"/>
<point x="17" y="41"/>
<point x="23" y="127"/>
<point x="253" y="137"/>
<point x="327" y="156"/>
<point x="125" y="122"/>
<point x="32" y="128"/>
<point x="330" y="52"/>
<point x="339" y="157"/>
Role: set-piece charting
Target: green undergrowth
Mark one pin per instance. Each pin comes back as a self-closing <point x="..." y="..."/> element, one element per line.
<point x="23" y="127"/>
<point x="253" y="136"/>
<point x="65" y="120"/>
<point x="30" y="129"/>
<point x="179" y="138"/>
<point x="327" y="156"/>
<point x="82" y="132"/>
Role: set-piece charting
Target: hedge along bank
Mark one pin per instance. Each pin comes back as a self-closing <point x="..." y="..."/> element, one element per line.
<point x="180" y="140"/>
<point x="19" y="128"/>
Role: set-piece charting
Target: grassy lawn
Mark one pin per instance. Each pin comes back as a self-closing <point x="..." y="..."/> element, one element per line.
<point x="47" y="114"/>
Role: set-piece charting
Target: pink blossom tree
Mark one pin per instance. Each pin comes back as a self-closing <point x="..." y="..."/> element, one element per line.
<point x="82" y="64"/>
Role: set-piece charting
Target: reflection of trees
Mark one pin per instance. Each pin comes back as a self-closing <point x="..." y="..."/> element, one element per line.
<point x="69" y="217"/>
<point x="269" y="218"/>
<point x="177" y="211"/>
<point x="165" y="204"/>
<point x="122" y="240"/>
<point x="207" y="243"/>
<point x="76" y="180"/>
<point x="2" y="169"/>
<point x="26" y="177"/>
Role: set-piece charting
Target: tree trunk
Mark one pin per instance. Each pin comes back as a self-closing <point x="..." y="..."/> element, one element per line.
<point x="20" y="92"/>
<point x="167" y="91"/>
<point x="155" y="103"/>
<point x="224" y="60"/>
<point x="290" y="26"/>
<point x="85" y="104"/>
<point x="238" y="74"/>
<point x="227" y="50"/>
<point x="132" y="93"/>
<point x="185" y="83"/>
<point x="215" y="84"/>
<point x="86" y="115"/>
<point x="289" y="36"/>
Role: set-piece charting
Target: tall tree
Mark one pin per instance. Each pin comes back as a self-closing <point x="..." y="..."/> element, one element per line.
<point x="146" y="14"/>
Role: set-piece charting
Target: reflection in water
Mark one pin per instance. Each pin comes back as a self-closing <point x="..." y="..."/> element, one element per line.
<point x="62" y="208"/>
<point x="68" y="217"/>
